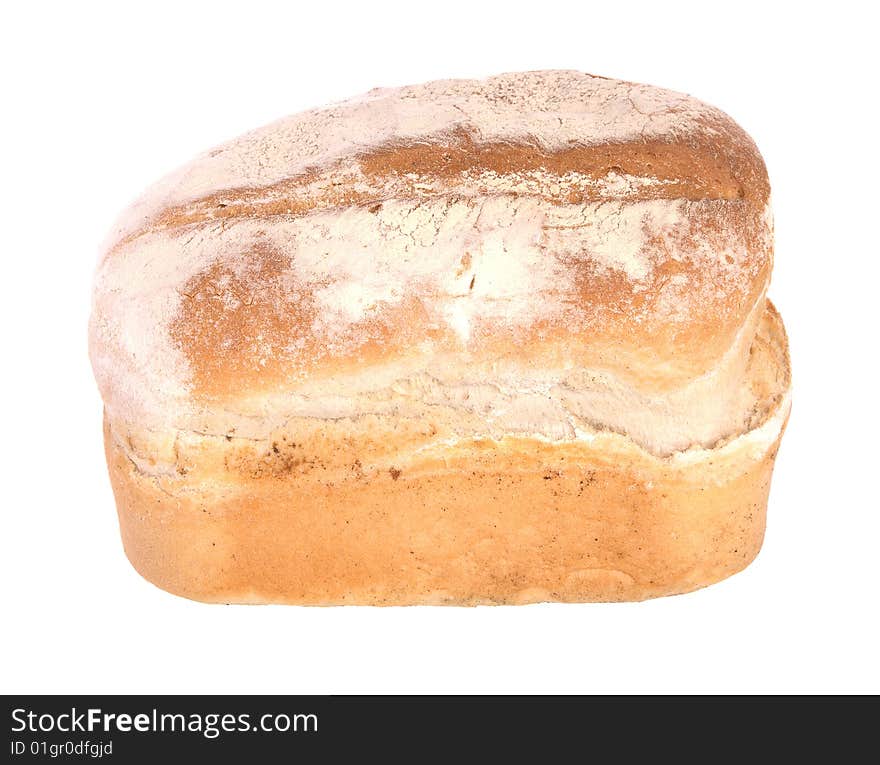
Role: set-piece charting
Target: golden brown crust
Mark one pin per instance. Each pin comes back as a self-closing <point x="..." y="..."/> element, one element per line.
<point x="488" y="530"/>
<point x="388" y="515"/>
<point x="718" y="162"/>
<point x="263" y="307"/>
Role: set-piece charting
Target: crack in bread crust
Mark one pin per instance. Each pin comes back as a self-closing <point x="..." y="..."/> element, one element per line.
<point x="455" y="165"/>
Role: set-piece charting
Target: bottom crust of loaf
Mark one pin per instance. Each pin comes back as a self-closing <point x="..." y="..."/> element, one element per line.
<point x="480" y="521"/>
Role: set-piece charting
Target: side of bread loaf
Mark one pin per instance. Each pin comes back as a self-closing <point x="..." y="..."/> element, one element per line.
<point x="440" y="322"/>
<point x="383" y="511"/>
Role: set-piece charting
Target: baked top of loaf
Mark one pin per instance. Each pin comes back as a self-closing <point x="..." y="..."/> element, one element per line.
<point x="541" y="253"/>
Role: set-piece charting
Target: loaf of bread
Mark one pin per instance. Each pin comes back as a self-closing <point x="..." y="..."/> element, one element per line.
<point x="467" y="342"/>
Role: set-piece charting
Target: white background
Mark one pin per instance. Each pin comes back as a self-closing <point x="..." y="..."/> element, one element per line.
<point x="99" y="101"/>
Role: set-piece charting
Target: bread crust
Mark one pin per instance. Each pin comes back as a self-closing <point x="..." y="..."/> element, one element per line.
<point x="485" y="533"/>
<point x="416" y="521"/>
